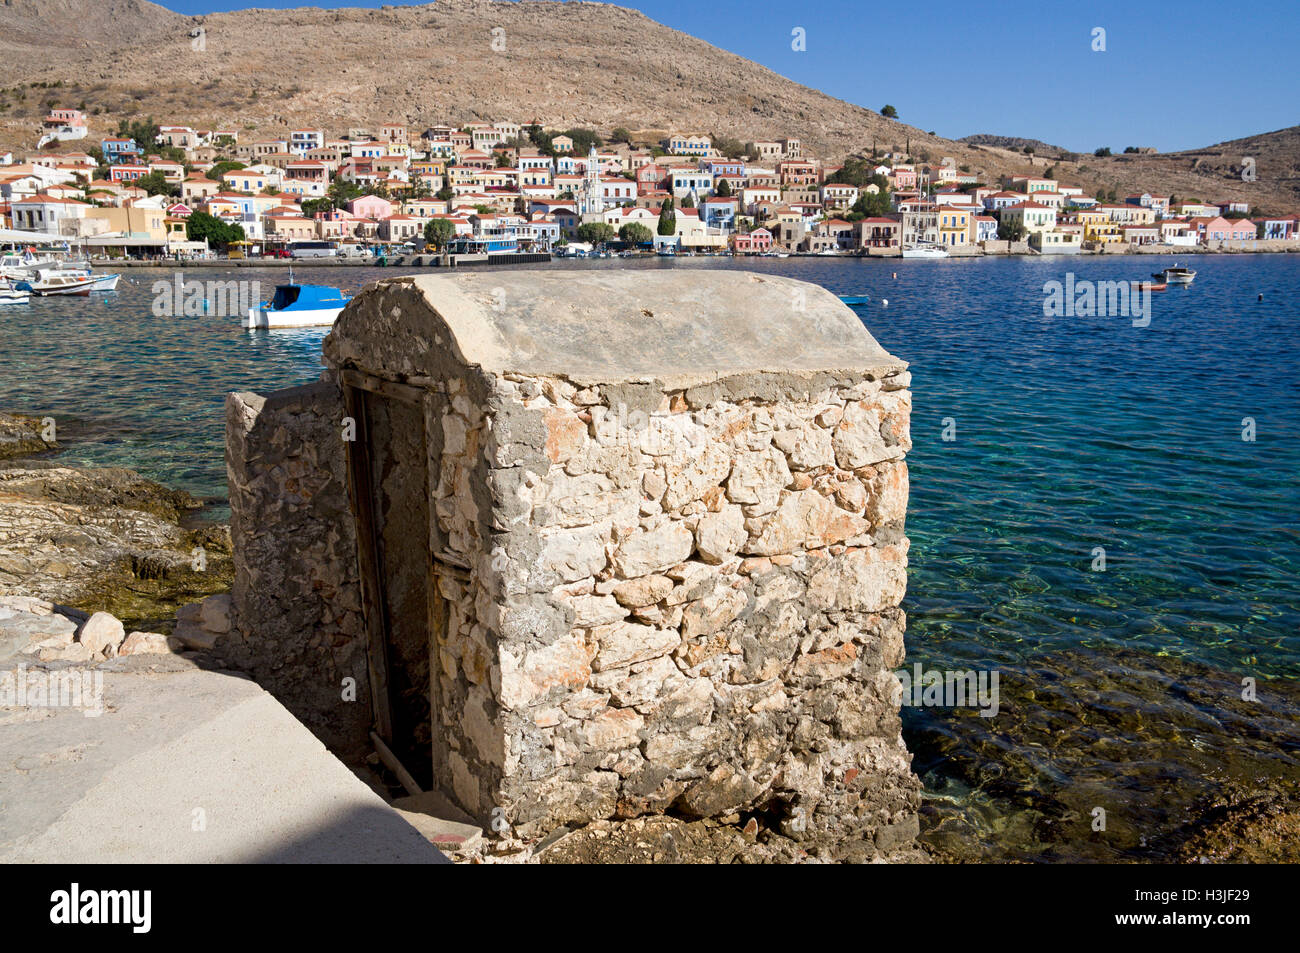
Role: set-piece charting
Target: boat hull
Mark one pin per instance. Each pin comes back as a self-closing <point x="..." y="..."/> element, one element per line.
<point x="924" y="253"/>
<point x="306" y="318"/>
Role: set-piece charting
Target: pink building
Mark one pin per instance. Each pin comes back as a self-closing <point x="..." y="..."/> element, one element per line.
<point x="755" y="242"/>
<point x="903" y="179"/>
<point x="1223" y="230"/>
<point x="371" y="208"/>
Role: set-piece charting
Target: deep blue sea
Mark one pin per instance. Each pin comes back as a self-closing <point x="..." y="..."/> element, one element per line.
<point x="1121" y="690"/>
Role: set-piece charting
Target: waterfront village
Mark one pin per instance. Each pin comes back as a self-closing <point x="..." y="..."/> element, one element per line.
<point x="501" y="188"/>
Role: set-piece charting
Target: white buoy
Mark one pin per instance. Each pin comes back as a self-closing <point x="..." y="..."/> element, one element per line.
<point x="884" y="302"/>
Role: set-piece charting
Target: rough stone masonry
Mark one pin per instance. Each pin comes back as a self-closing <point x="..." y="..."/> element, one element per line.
<point x="640" y="544"/>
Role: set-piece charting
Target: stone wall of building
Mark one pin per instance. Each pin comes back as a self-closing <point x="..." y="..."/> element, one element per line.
<point x="296" y="622"/>
<point x="696" y="596"/>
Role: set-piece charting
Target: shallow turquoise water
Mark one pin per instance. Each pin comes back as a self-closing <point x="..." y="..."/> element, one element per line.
<point x="1119" y="688"/>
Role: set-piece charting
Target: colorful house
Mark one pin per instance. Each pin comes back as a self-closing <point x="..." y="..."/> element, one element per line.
<point x="756" y="242"/>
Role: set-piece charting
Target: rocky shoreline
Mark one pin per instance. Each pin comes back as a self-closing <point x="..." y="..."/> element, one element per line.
<point x="101" y="539"/>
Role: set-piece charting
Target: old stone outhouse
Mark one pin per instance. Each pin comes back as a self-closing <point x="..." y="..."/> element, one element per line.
<point x="584" y="545"/>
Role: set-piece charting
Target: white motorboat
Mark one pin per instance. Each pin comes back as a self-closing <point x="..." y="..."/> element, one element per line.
<point x="924" y="251"/>
<point x="62" y="280"/>
<point x="1177" y="275"/>
<point x="57" y="281"/>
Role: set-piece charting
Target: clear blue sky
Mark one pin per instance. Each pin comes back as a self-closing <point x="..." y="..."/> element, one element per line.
<point x="1174" y="75"/>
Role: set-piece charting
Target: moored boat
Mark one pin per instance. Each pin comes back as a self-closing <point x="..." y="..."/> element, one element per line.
<point x="1149" y="286"/>
<point x="855" y="299"/>
<point x="299" y="306"/>
<point x="12" y="295"/>
<point x="1177" y="275"/>
<point x="924" y="251"/>
<point x="57" y="281"/>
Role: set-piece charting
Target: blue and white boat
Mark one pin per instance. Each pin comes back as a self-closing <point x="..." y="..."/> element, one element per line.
<point x="299" y="306"/>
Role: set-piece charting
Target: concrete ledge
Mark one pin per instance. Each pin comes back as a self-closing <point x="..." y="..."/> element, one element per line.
<point x="605" y="327"/>
<point x="186" y="767"/>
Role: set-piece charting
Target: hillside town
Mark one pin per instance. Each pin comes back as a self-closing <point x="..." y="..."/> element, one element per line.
<point x="502" y="188"/>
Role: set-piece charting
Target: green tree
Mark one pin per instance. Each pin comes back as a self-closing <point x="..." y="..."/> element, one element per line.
<point x="889" y="112"/>
<point x="143" y="131"/>
<point x="1102" y="152"/>
<point x="155" y="184"/>
<point x="870" y="204"/>
<point x="688" y="201"/>
<point x="594" y="233"/>
<point x="584" y="139"/>
<point x="438" y="231"/>
<point x="728" y="146"/>
<point x="201" y="225"/>
<point x="723" y="191"/>
<point x="221" y="168"/>
<point x="621" y="134"/>
<point x="634" y="233"/>
<point x="311" y="207"/>
<point x="667" y="218"/>
<point x="341" y="192"/>
<point x="1011" y="231"/>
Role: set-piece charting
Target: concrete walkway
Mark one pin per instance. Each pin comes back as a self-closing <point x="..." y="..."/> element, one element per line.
<point x="185" y="766"/>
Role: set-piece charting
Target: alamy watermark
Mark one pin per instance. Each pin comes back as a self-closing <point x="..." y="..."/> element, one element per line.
<point x="1083" y="298"/>
<point x="195" y="298"/>
<point x="67" y="688"/>
<point x="653" y="433"/>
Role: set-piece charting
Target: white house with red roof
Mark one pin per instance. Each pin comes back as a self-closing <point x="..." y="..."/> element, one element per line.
<point x="45" y="213"/>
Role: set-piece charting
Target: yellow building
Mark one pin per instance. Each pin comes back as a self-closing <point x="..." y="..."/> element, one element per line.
<point x="954" y="226"/>
<point x="1102" y="231"/>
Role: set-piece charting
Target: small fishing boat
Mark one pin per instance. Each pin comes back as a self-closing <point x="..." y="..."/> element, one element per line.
<point x="1177" y="275"/>
<point x="1149" y="286"/>
<point x="12" y="295"/>
<point x="855" y="299"/>
<point x="299" y="306"/>
<point x="57" y="281"/>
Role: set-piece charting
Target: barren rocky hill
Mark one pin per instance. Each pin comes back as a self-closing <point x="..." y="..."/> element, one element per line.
<point x="1012" y="142"/>
<point x="563" y="64"/>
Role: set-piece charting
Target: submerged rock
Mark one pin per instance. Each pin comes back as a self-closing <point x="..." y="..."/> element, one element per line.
<point x="106" y="540"/>
<point x="20" y="436"/>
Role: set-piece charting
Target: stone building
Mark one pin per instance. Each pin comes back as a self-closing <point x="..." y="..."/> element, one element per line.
<point x="594" y="545"/>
